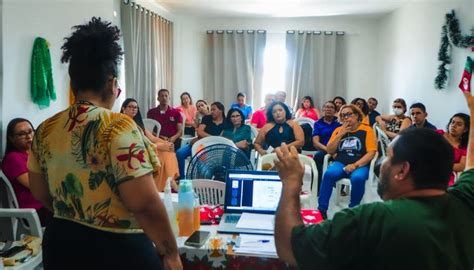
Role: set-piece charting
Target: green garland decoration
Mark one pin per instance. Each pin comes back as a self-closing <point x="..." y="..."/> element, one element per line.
<point x="450" y="35"/>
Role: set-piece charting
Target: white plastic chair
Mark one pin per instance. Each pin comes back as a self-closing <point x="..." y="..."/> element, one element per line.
<point x="312" y="201"/>
<point x="305" y="120"/>
<point x="253" y="153"/>
<point x="9" y="200"/>
<point x="34" y="229"/>
<point x="210" y="192"/>
<point x="369" y="183"/>
<point x="151" y="124"/>
<point x="382" y="140"/>
<point x="185" y="139"/>
<point x="211" y="140"/>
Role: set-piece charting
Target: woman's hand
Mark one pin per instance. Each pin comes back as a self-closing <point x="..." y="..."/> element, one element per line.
<point x="350" y="168"/>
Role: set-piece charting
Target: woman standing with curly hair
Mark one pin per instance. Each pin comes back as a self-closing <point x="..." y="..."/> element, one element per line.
<point x="94" y="168"/>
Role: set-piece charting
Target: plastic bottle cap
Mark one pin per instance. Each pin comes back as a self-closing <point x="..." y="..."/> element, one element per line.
<point x="185" y="186"/>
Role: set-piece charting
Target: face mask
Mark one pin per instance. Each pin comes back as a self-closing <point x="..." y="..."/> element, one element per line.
<point x="397" y="111"/>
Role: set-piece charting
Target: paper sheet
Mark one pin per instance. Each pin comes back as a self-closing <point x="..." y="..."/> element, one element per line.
<point x="256" y="221"/>
<point x="256" y="245"/>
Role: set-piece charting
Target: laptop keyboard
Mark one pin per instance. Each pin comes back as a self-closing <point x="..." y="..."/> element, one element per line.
<point x="232" y="218"/>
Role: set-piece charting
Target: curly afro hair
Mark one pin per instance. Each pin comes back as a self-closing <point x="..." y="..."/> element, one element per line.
<point x="93" y="54"/>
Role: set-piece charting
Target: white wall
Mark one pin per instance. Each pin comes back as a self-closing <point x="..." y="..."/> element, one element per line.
<point x="409" y="44"/>
<point x="22" y="22"/>
<point x="362" y="47"/>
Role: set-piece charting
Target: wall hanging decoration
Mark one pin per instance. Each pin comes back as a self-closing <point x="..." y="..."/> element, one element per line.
<point x="42" y="87"/>
<point x="450" y="35"/>
<point x="465" y="83"/>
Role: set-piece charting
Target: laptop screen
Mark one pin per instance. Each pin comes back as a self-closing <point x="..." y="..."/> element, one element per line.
<point x="252" y="191"/>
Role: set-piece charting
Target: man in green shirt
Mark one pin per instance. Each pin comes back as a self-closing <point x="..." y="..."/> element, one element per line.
<point x="421" y="224"/>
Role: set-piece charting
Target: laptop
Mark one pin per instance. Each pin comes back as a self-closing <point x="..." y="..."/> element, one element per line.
<point x="254" y="192"/>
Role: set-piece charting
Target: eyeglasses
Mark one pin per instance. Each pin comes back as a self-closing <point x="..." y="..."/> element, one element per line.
<point x="132" y="107"/>
<point x="235" y="115"/>
<point x="329" y="107"/>
<point x="24" y="134"/>
<point x="346" y="115"/>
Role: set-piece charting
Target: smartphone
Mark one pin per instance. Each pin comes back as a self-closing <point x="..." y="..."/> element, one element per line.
<point x="197" y="239"/>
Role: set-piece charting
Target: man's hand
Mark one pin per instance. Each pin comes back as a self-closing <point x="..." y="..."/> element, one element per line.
<point x="289" y="167"/>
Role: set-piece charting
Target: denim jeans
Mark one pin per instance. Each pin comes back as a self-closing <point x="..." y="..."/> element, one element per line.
<point x="334" y="173"/>
<point x="181" y="155"/>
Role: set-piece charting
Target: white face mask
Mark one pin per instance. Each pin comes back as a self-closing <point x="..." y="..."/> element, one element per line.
<point x="397" y="111"/>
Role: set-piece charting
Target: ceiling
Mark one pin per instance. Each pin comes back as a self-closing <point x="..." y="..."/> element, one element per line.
<point x="279" y="8"/>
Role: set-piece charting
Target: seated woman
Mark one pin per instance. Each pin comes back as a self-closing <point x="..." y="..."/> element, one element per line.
<point x="457" y="132"/>
<point x="164" y="149"/>
<point x="396" y="122"/>
<point x="339" y="101"/>
<point x="189" y="111"/>
<point x="307" y="109"/>
<point x="14" y="165"/>
<point x="322" y="131"/>
<point x="364" y="108"/>
<point x="279" y="129"/>
<point x="211" y="125"/>
<point x="354" y="146"/>
<point x="237" y="131"/>
<point x="202" y="110"/>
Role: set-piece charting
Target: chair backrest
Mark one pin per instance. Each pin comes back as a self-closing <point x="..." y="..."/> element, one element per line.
<point x="305" y="120"/>
<point x="211" y="140"/>
<point x="270" y="158"/>
<point x="382" y="141"/>
<point x="254" y="132"/>
<point x="7" y="194"/>
<point x="152" y="125"/>
<point x="183" y="123"/>
<point x="209" y="191"/>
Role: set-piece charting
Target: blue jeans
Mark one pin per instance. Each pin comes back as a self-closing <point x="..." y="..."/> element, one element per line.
<point x="181" y="155"/>
<point x="334" y="173"/>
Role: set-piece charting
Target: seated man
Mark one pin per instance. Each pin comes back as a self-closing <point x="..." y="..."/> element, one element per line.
<point x="422" y="225"/>
<point x="418" y="116"/>
<point x="240" y="104"/>
<point x="170" y="119"/>
<point x="372" y="103"/>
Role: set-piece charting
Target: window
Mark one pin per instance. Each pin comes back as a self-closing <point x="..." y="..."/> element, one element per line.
<point x="274" y="65"/>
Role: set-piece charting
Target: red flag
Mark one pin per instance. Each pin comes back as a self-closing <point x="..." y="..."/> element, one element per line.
<point x="465" y="84"/>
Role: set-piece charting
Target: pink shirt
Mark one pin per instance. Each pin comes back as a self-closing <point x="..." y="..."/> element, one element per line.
<point x="259" y="118"/>
<point x="14" y="164"/>
<point x="190" y="113"/>
<point x="311" y="113"/>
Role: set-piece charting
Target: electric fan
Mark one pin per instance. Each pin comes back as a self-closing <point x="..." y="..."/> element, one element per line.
<point x="213" y="161"/>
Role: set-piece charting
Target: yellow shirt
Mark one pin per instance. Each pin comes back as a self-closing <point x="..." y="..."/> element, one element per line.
<point x="83" y="153"/>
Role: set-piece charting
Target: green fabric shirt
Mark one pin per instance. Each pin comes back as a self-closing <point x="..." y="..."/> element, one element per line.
<point x="408" y="233"/>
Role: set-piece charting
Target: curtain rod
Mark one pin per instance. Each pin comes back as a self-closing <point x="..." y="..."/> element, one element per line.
<point x="327" y="33"/>
<point x="237" y="31"/>
<point x="146" y="11"/>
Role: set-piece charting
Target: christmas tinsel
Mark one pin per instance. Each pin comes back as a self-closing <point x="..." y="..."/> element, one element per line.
<point x="42" y="87"/>
<point x="450" y="35"/>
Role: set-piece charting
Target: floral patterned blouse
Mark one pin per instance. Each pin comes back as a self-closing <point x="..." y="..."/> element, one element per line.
<point x="84" y="153"/>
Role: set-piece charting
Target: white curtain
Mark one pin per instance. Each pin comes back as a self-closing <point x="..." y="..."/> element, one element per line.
<point x="234" y="63"/>
<point x="316" y="66"/>
<point x="148" y="43"/>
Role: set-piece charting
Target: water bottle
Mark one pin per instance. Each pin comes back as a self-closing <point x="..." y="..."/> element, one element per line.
<point x="186" y="208"/>
<point x="168" y="201"/>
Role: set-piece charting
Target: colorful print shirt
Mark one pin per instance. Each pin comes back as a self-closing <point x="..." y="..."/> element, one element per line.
<point x="84" y="153"/>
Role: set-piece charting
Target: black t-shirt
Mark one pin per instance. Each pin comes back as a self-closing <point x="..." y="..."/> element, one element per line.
<point x="211" y="127"/>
